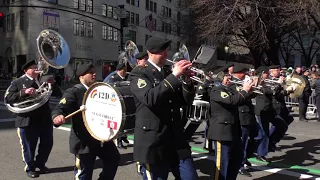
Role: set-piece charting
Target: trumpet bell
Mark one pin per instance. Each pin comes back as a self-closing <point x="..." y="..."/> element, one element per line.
<point x="183" y="53"/>
<point x="53" y="50"/>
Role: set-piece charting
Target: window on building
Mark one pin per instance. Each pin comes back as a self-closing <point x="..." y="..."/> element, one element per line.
<point x="178" y="30"/>
<point x="110" y="33"/>
<point x="128" y="1"/>
<point x="104" y="32"/>
<point x="76" y="4"/>
<point x="82" y="28"/>
<point x="90" y="29"/>
<point x="132" y="17"/>
<point x="133" y="35"/>
<point x="83" y="5"/>
<point x="155" y="23"/>
<point x="8" y="23"/>
<point x="110" y="11"/>
<point x="178" y="16"/>
<point x="115" y="34"/>
<point x="132" y="2"/>
<point x="146" y="38"/>
<point x="76" y="27"/>
<point x="137" y="19"/>
<point x="12" y="21"/>
<point x="151" y="6"/>
<point x="104" y="10"/>
<point x="90" y="3"/>
<point x="21" y="19"/>
<point x="137" y="3"/>
<point x="147" y="4"/>
<point x="155" y="7"/>
<point x="50" y="1"/>
<point x="4" y="28"/>
<point x="115" y="11"/>
<point x="128" y="16"/>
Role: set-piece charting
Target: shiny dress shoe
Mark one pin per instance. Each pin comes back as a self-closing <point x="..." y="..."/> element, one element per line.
<point x="262" y="158"/>
<point x="248" y="163"/>
<point x="44" y="170"/>
<point x="121" y="146"/>
<point x="32" y="174"/>
<point x="245" y="172"/>
<point x="124" y="139"/>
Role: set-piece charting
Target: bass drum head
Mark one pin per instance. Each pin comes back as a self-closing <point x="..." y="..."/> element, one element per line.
<point x="103" y="117"/>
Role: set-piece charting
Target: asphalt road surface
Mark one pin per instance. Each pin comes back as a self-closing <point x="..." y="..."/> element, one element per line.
<point x="297" y="155"/>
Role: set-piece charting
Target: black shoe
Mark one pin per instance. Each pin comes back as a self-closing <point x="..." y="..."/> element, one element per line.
<point x="244" y="172"/>
<point x="248" y="163"/>
<point x="121" y="146"/>
<point x="303" y="119"/>
<point x="272" y="148"/>
<point x="44" y="170"/>
<point x="262" y="158"/>
<point x="124" y="139"/>
<point x="32" y="174"/>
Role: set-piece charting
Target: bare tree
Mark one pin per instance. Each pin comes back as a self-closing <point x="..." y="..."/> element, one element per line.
<point x="261" y="24"/>
<point x="286" y="47"/>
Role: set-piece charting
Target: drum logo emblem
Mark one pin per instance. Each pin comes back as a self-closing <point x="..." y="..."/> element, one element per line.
<point x="112" y="125"/>
<point x="93" y="93"/>
<point x="113" y="97"/>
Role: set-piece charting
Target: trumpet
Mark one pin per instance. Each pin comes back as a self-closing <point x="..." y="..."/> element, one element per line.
<point x="256" y="89"/>
<point x="183" y="53"/>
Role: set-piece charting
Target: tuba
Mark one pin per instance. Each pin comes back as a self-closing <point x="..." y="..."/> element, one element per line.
<point x="53" y="52"/>
<point x="129" y="54"/>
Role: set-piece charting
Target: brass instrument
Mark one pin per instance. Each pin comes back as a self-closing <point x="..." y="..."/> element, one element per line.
<point x="53" y="51"/>
<point x="128" y="55"/>
<point x="256" y="89"/>
<point x="183" y="53"/>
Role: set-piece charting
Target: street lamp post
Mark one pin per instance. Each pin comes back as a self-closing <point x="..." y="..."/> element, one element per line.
<point x="226" y="50"/>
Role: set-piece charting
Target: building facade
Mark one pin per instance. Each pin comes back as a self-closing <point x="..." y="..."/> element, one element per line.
<point x="91" y="29"/>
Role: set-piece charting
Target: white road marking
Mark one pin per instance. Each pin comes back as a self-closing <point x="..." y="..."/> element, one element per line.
<point x="198" y="156"/>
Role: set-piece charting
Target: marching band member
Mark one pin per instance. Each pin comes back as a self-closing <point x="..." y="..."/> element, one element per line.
<point x="159" y="138"/>
<point x="141" y="58"/>
<point x="265" y="114"/>
<point x="249" y="126"/>
<point x="283" y="117"/>
<point x="121" y="75"/>
<point x="82" y="144"/>
<point x="224" y="129"/>
<point x="32" y="125"/>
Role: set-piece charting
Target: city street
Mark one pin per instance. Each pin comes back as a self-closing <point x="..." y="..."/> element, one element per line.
<point x="297" y="155"/>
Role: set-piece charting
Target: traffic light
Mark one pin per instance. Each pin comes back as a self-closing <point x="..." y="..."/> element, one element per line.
<point x="1" y="19"/>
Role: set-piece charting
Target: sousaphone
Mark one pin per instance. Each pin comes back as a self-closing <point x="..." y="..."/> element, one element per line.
<point x="53" y="52"/>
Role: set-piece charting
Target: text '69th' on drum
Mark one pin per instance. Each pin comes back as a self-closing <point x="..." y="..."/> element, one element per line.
<point x="198" y="111"/>
<point x="110" y="111"/>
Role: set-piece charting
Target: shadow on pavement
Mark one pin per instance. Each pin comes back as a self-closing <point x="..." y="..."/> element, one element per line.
<point x="7" y="125"/>
<point x="60" y="169"/>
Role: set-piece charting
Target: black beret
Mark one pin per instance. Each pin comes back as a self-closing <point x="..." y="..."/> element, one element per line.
<point x="28" y="64"/>
<point x="230" y="64"/>
<point x="156" y="45"/>
<point x="274" y="67"/>
<point x="141" y="55"/>
<point x="240" y="68"/>
<point x="120" y="66"/>
<point x="83" y="68"/>
<point x="262" y="69"/>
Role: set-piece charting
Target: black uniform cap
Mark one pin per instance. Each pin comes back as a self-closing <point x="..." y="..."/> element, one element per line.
<point x="230" y="64"/>
<point x="156" y="45"/>
<point x="28" y="64"/>
<point x="120" y="66"/>
<point x="141" y="55"/>
<point x="83" y="68"/>
<point x="238" y="69"/>
<point x="262" y="69"/>
<point x="274" y="67"/>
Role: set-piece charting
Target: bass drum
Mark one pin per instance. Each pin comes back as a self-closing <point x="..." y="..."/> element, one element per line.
<point x="110" y="111"/>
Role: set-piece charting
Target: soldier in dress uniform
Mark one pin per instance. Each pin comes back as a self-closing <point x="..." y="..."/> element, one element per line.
<point x="283" y="118"/>
<point x="304" y="98"/>
<point x="33" y="125"/>
<point x="159" y="141"/>
<point x="225" y="129"/>
<point x="121" y="75"/>
<point x="84" y="147"/>
<point x="249" y="126"/>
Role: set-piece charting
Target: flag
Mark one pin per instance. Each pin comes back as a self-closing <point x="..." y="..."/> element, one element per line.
<point x="150" y="23"/>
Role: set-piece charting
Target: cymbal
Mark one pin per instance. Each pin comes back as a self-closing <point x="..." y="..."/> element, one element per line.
<point x="298" y="82"/>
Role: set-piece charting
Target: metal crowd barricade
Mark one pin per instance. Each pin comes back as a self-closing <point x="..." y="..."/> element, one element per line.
<point x="295" y="102"/>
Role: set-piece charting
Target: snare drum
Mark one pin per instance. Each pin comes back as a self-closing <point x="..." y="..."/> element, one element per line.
<point x="110" y="110"/>
<point x="198" y="111"/>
